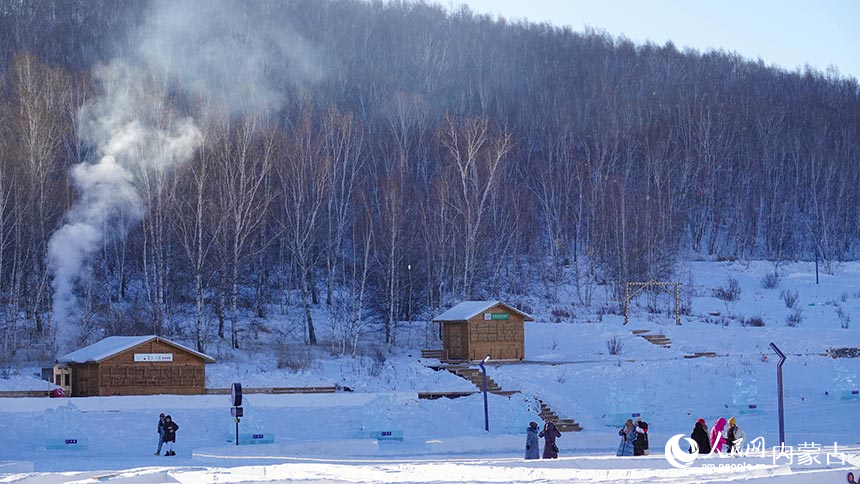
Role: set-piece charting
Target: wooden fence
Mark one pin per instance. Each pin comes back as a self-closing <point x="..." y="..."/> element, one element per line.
<point x="208" y="391"/>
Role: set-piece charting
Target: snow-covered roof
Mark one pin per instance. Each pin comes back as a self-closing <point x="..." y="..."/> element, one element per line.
<point x="469" y="309"/>
<point x="113" y="345"/>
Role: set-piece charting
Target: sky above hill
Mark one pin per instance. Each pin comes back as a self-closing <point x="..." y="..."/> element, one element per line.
<point x="788" y="33"/>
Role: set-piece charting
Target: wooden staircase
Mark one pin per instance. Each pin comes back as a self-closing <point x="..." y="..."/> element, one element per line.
<point x="655" y="339"/>
<point x="562" y="424"/>
<point x="440" y="354"/>
<point x="476" y="377"/>
<point x="546" y="413"/>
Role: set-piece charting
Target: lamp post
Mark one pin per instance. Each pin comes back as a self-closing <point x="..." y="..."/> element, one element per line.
<point x="486" y="412"/>
<point x="779" y="394"/>
<point x="409" y="304"/>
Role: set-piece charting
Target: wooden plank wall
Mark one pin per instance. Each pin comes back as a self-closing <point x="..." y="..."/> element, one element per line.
<point x="502" y="340"/>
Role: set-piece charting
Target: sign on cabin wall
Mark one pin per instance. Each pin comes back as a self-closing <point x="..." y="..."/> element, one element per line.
<point x="153" y="357"/>
<point x="496" y="316"/>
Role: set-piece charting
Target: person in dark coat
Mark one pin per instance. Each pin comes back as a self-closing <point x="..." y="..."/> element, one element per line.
<point x="170" y="428"/>
<point x="160" y="430"/>
<point x="700" y="436"/>
<point x="532" y="441"/>
<point x="549" y="434"/>
<point x="640" y="441"/>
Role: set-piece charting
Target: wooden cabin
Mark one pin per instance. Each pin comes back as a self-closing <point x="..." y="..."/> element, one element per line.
<point x="474" y="329"/>
<point x="136" y="365"/>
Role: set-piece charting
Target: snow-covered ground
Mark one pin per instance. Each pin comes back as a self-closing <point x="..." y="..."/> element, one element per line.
<point x="329" y="437"/>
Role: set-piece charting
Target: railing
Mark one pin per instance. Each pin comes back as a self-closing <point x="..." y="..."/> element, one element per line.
<point x="273" y="390"/>
<point x="25" y="393"/>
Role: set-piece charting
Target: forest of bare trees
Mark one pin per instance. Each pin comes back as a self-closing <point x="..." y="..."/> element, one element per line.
<point x="388" y="159"/>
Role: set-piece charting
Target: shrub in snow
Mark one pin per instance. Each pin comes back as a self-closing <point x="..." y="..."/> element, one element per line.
<point x="755" y="321"/>
<point x="293" y="359"/>
<point x="789" y="297"/>
<point x="770" y="280"/>
<point x="558" y="314"/>
<point x="844" y="318"/>
<point x="379" y="359"/>
<point x="795" y="318"/>
<point x="730" y="292"/>
<point x="614" y="345"/>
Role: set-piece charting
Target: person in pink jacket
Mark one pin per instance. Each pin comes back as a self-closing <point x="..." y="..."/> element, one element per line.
<point x="718" y="435"/>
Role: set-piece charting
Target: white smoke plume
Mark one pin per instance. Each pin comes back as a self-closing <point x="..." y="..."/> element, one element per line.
<point x="119" y="126"/>
<point x="242" y="55"/>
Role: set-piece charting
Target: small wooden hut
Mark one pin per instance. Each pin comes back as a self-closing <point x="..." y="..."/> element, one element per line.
<point x="136" y="365"/>
<point x="474" y="329"/>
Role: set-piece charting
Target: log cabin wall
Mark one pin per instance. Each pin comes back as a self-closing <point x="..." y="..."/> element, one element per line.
<point x="122" y="375"/>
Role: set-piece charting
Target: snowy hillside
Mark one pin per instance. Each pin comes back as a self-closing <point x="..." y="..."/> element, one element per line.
<point x="329" y="437"/>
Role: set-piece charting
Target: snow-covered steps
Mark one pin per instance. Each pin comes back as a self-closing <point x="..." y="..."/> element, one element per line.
<point x="655" y="339"/>
<point x="563" y="425"/>
<point x="476" y="377"/>
<point x="438" y="354"/>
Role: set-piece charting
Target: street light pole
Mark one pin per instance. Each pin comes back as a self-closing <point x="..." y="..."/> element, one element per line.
<point x="779" y="394"/>
<point x="486" y="411"/>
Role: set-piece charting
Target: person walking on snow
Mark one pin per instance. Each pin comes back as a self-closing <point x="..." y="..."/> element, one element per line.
<point x="160" y="430"/>
<point x="718" y="436"/>
<point x="549" y="434"/>
<point x="170" y="428"/>
<point x="627" y="433"/>
<point x="735" y="436"/>
<point x="532" y="441"/>
<point x="700" y="436"/>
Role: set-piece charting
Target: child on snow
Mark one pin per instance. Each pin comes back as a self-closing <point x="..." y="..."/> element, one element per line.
<point x="170" y="428"/>
<point x="532" y="441"/>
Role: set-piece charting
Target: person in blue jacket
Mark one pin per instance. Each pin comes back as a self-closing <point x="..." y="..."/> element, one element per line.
<point x="160" y="431"/>
<point x="532" y="441"/>
<point x="628" y="435"/>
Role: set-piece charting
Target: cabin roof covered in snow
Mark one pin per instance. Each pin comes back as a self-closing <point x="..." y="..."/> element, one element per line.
<point x="469" y="309"/>
<point x="113" y="345"/>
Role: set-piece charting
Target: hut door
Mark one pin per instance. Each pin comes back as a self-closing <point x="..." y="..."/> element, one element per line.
<point x="455" y="341"/>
